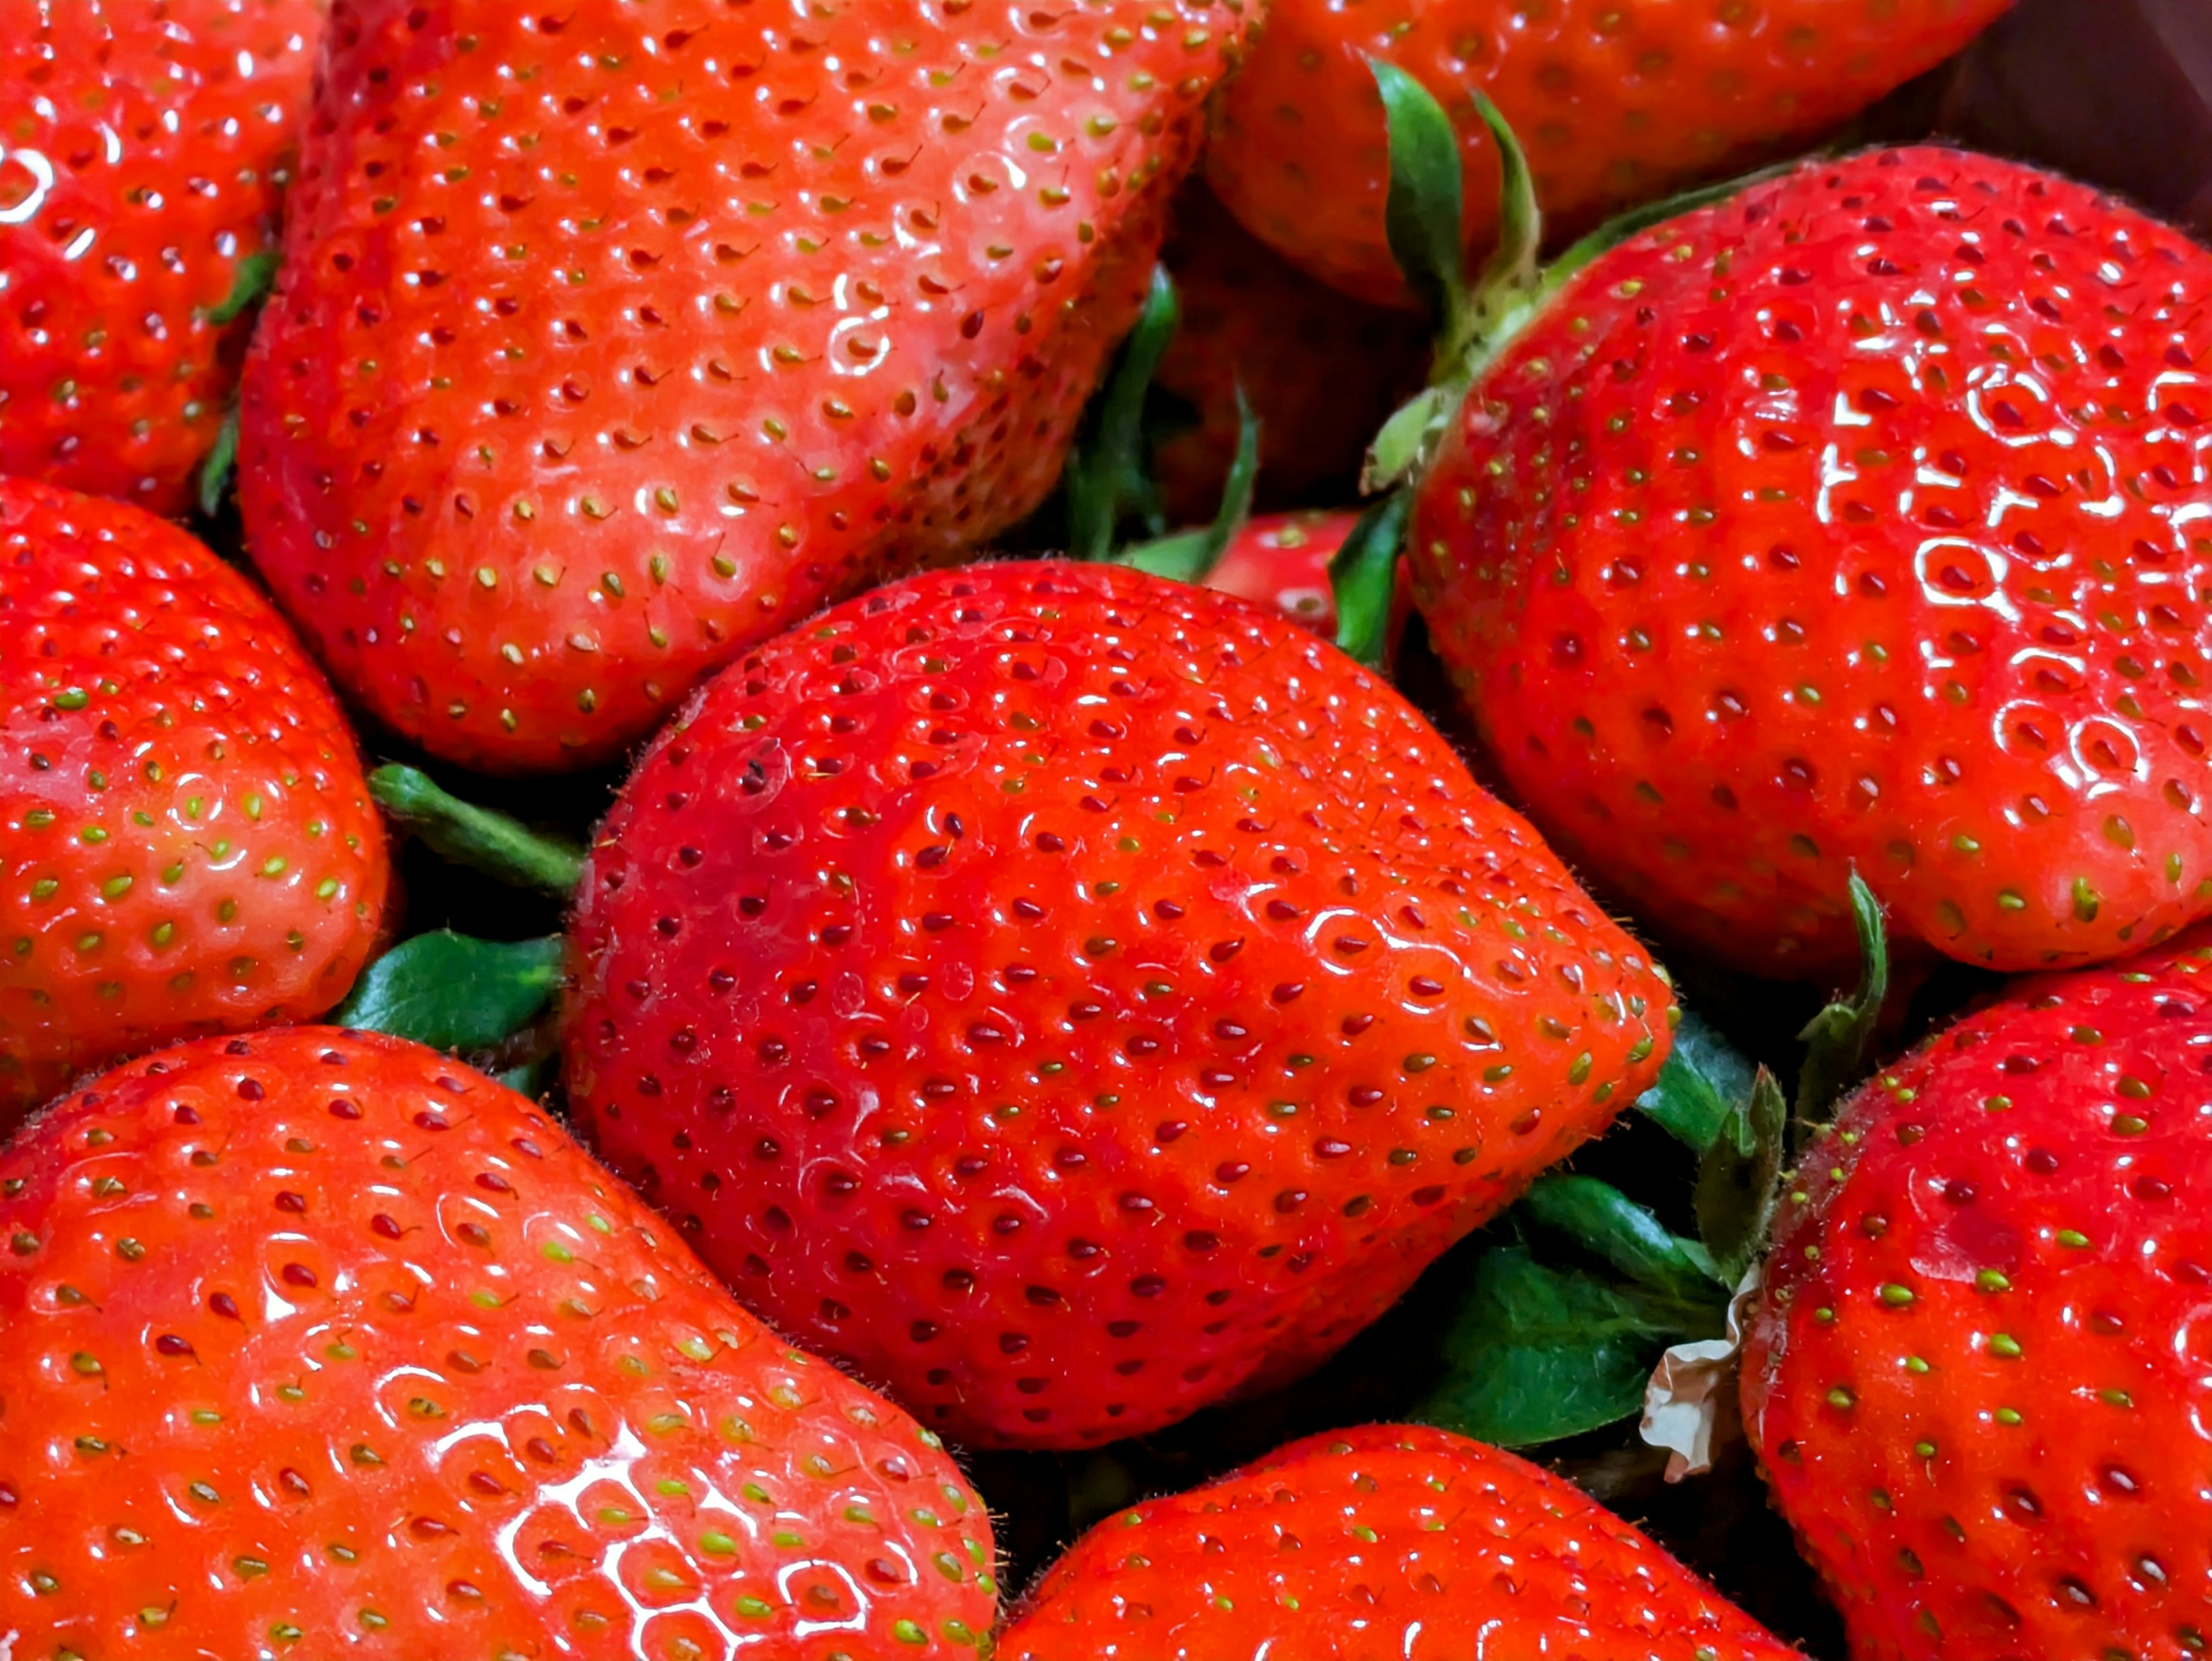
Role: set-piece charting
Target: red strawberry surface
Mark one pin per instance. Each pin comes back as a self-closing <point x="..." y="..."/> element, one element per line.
<point x="186" y="841"/>
<point x="1389" y="1541"/>
<point x="143" y="150"/>
<point x="1617" y="102"/>
<point x="1280" y="562"/>
<point x="1977" y="1376"/>
<point x="610" y="341"/>
<point x="1071" y="995"/>
<point x="1322" y="371"/>
<point x="1851" y="523"/>
<point x="318" y="1343"/>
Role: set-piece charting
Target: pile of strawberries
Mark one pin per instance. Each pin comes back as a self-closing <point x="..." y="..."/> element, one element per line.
<point x="1070" y="1041"/>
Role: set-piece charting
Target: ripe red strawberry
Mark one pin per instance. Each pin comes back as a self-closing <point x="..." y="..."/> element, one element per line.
<point x="186" y="841"/>
<point x="1618" y="103"/>
<point x="1391" y="1540"/>
<point x="610" y="341"/>
<point x="144" y="148"/>
<point x="1979" y="1367"/>
<point x="1280" y="564"/>
<point x="1850" y="523"/>
<point x="319" y="1343"/>
<point x="1322" y="372"/>
<point x="1072" y="995"/>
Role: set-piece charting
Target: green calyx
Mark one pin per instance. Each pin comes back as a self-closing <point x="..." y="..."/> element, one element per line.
<point x="1477" y="319"/>
<point x="492" y="843"/>
<point x="1191" y="556"/>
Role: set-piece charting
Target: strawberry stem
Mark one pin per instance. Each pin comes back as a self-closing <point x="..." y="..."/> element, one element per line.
<point x="485" y="840"/>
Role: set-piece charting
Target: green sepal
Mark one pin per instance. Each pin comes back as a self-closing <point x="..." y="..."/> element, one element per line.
<point x="249" y="286"/>
<point x="219" y="463"/>
<point x="1423" y="215"/>
<point x="493" y="844"/>
<point x="1536" y="1353"/>
<point x="1634" y="222"/>
<point x="1740" y="1179"/>
<point x="1407" y="439"/>
<point x="1840" y="1039"/>
<point x="1363" y="576"/>
<point x="1105" y="476"/>
<point x="1705" y="1080"/>
<point x="1606" y="1223"/>
<point x="454" y="992"/>
<point x="1191" y="556"/>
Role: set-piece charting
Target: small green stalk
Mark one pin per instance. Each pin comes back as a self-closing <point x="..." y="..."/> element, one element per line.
<point x="478" y="837"/>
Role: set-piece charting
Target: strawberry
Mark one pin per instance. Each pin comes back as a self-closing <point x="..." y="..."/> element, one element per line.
<point x="1280" y="564"/>
<point x="1847" y="522"/>
<point x="321" y="1343"/>
<point x="1390" y="1540"/>
<point x="144" y="148"/>
<point x="1127" y="996"/>
<point x="186" y="841"/>
<point x="612" y="341"/>
<point x="1618" y="102"/>
<point x="1320" y="371"/>
<point x="1978" y="1367"/>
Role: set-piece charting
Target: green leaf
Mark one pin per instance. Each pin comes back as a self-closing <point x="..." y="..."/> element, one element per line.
<point x="249" y="287"/>
<point x="220" y="462"/>
<point x="1609" y="1226"/>
<point x="1840" y="1039"/>
<point x="1363" y="574"/>
<point x="1106" y="473"/>
<point x="453" y="992"/>
<point x="1422" y="214"/>
<point x="1534" y="1353"/>
<point x="531" y="1077"/>
<point x="1704" y="1080"/>
<point x="1191" y="556"/>
<point x="493" y="844"/>
<point x="1740" y="1179"/>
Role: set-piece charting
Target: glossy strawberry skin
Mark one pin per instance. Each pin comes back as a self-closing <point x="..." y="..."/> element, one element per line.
<point x="1280" y="562"/>
<point x="1071" y="995"/>
<point x="146" y="148"/>
<point x="1322" y="371"/>
<point x="1976" y="1379"/>
<point x="1387" y="1541"/>
<point x="186" y="841"/>
<point x="1615" y="103"/>
<point x="319" y="1342"/>
<point x="791" y="309"/>
<point x="1747" y="587"/>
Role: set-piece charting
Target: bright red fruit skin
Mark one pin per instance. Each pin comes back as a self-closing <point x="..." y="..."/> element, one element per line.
<point x="1850" y="524"/>
<point x="1388" y="1541"/>
<point x="1280" y="562"/>
<point x="318" y="1343"/>
<point x="1322" y="371"/>
<point x="610" y="342"/>
<point x="1071" y="995"/>
<point x="145" y="145"/>
<point x="1977" y="1376"/>
<point x="186" y="841"/>
<point x="1615" y="104"/>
